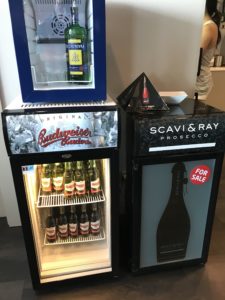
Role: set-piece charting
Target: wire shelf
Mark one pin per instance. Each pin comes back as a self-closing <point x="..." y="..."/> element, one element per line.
<point x="54" y="199"/>
<point x="78" y="239"/>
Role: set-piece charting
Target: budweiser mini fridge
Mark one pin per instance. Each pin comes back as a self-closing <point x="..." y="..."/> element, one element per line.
<point x="42" y="138"/>
<point x="174" y="163"/>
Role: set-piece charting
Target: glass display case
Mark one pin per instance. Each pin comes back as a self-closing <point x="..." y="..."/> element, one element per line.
<point x="60" y="49"/>
<point x="64" y="160"/>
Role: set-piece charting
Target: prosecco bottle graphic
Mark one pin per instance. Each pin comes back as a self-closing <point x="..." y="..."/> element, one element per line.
<point x="76" y="48"/>
<point x="174" y="226"/>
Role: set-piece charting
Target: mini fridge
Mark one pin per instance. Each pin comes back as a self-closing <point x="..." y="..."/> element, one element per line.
<point x="60" y="49"/>
<point x="64" y="161"/>
<point x="173" y="173"/>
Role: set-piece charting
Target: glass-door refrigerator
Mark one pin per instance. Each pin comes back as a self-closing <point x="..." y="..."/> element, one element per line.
<point x="64" y="160"/>
<point x="173" y="174"/>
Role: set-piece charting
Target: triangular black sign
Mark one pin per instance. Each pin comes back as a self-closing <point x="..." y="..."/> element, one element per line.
<point x="141" y="95"/>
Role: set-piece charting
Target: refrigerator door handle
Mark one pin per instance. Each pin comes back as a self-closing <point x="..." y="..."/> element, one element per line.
<point x="135" y="166"/>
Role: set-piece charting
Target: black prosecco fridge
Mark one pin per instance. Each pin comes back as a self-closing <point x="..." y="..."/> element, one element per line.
<point x="64" y="160"/>
<point x="173" y="172"/>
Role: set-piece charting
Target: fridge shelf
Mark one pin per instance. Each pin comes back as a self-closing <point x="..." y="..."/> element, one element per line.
<point x="59" y="200"/>
<point x="79" y="239"/>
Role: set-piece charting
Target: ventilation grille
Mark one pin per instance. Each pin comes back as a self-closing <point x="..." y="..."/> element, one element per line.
<point x="58" y="2"/>
<point x="49" y="105"/>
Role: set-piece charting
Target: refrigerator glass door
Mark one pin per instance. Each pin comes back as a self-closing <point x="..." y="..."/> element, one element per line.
<point x="60" y="43"/>
<point x="70" y="246"/>
<point x="174" y="211"/>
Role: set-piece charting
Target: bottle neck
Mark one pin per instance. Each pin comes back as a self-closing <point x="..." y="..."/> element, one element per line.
<point x="62" y="210"/>
<point x="83" y="209"/>
<point x="74" y="15"/>
<point x="178" y="182"/>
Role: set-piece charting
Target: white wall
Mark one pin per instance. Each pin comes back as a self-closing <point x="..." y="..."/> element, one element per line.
<point x="9" y="80"/>
<point x="216" y="97"/>
<point x="8" y="203"/>
<point x="158" y="37"/>
<point x="9" y="89"/>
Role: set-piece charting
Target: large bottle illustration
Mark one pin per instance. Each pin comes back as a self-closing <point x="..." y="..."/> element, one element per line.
<point x="174" y="226"/>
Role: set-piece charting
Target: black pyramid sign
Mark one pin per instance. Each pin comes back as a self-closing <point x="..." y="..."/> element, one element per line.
<point x="141" y="95"/>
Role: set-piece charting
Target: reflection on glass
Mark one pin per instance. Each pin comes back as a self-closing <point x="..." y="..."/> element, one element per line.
<point x="60" y="43"/>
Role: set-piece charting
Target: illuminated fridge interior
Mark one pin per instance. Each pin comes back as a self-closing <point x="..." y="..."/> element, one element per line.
<point x="46" y="23"/>
<point x="70" y="256"/>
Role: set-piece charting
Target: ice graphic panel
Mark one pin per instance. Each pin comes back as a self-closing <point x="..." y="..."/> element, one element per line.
<point x="62" y="132"/>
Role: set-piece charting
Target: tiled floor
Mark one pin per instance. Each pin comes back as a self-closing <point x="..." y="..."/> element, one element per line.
<point x="192" y="283"/>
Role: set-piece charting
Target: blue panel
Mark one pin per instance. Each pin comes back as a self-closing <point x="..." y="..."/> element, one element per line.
<point x="80" y="94"/>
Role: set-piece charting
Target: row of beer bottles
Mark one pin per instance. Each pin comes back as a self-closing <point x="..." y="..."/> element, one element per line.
<point x="71" y="178"/>
<point x="73" y="223"/>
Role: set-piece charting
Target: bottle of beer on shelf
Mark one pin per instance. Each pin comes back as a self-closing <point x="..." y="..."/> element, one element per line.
<point x="68" y="181"/>
<point x="50" y="229"/>
<point x="73" y="165"/>
<point x="84" y="221"/>
<point x="95" y="220"/>
<point x="62" y="224"/>
<point x="58" y="178"/>
<point x="73" y="222"/>
<point x="46" y="179"/>
<point x="56" y="213"/>
<point x="79" y="177"/>
<point x="93" y="178"/>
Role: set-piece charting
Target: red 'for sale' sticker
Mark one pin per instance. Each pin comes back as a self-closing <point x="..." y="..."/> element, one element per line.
<point x="200" y="174"/>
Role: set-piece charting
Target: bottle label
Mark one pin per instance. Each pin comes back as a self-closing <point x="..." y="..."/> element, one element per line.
<point x="84" y="228"/>
<point x="69" y="188"/>
<point x="58" y="183"/>
<point x="95" y="186"/>
<point x="95" y="226"/>
<point x="46" y="184"/>
<point x="63" y="230"/>
<point x="51" y="233"/>
<point x="73" y="229"/>
<point x="75" y="56"/>
<point x="80" y="187"/>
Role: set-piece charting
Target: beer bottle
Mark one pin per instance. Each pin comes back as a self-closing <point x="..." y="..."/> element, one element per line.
<point x="73" y="222"/>
<point x="62" y="224"/>
<point x="58" y="178"/>
<point x="93" y="178"/>
<point x="79" y="176"/>
<point x="84" y="221"/>
<point x="55" y="214"/>
<point x="73" y="165"/>
<point x="50" y="229"/>
<point x="95" y="220"/>
<point x="46" y="180"/>
<point x="68" y="181"/>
